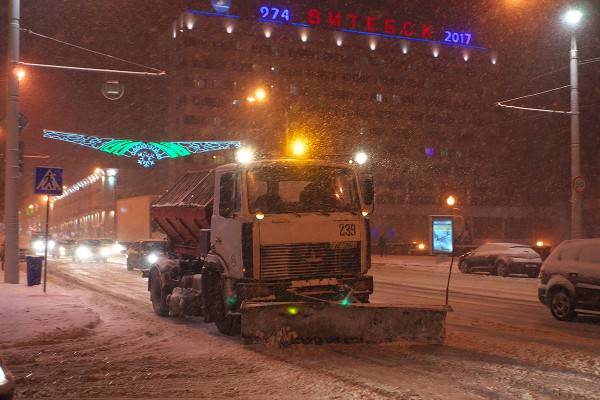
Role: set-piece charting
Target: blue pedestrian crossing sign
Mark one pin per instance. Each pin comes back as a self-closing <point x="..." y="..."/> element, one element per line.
<point x="48" y="181"/>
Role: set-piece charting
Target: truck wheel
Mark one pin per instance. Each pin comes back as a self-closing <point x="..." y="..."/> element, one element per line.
<point x="502" y="268"/>
<point x="157" y="294"/>
<point x="464" y="267"/>
<point x="562" y="305"/>
<point x="216" y="309"/>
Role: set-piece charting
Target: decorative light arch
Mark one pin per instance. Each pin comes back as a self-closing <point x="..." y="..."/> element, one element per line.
<point x="147" y="153"/>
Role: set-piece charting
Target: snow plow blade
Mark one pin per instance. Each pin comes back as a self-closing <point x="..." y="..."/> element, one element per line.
<point x="307" y="322"/>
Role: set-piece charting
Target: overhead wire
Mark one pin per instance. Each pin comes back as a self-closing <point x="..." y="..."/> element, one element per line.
<point x="29" y="31"/>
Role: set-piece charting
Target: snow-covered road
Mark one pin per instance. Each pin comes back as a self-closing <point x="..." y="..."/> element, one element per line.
<point x="501" y="344"/>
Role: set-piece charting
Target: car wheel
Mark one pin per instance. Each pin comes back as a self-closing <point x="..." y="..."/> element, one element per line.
<point x="562" y="305"/>
<point x="464" y="267"/>
<point x="502" y="268"/>
<point x="158" y="294"/>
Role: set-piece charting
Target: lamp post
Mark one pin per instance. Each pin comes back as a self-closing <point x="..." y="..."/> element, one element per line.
<point x="11" y="161"/>
<point x="572" y="18"/>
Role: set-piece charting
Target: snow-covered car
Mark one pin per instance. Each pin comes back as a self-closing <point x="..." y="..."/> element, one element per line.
<point x="570" y="279"/>
<point x="142" y="255"/>
<point x="7" y="383"/>
<point x="92" y="250"/>
<point x="501" y="259"/>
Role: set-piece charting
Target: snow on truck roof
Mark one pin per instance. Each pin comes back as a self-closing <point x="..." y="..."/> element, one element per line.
<point x="194" y="189"/>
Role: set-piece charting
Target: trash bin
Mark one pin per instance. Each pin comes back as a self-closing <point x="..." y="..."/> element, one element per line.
<point x="34" y="270"/>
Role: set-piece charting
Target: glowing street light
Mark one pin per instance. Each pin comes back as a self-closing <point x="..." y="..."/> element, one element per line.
<point x="299" y="147"/>
<point x="361" y="158"/>
<point x="20" y="73"/>
<point x="451" y="201"/>
<point x="573" y="17"/>
<point x="260" y="94"/>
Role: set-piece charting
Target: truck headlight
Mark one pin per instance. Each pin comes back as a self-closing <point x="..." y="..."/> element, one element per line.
<point x="38" y="245"/>
<point x="83" y="252"/>
<point x="152" y="258"/>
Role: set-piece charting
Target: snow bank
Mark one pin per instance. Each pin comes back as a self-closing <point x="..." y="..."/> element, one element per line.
<point x="29" y="317"/>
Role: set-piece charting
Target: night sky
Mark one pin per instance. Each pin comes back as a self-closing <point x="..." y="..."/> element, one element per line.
<point x="528" y="36"/>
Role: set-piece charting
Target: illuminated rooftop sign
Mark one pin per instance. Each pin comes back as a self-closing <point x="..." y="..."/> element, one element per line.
<point x="355" y="23"/>
<point x="147" y="153"/>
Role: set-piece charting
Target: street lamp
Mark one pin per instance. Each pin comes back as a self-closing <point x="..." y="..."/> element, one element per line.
<point x="361" y="158"/>
<point x="20" y="74"/>
<point x="451" y="201"/>
<point x="573" y="19"/>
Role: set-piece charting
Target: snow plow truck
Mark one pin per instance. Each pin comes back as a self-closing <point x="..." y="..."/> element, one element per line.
<point x="278" y="251"/>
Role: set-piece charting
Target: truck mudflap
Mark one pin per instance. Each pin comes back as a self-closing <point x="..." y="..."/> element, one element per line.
<point x="285" y="323"/>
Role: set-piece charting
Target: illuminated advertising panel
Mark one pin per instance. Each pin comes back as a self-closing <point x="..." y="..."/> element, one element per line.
<point x="442" y="234"/>
<point x="392" y="25"/>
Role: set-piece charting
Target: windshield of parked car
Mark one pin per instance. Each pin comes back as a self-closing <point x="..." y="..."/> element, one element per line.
<point x="282" y="189"/>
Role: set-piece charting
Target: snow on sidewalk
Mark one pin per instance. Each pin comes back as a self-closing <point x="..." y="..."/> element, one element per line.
<point x="30" y="317"/>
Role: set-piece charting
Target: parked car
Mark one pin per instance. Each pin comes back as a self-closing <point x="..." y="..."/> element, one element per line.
<point x="570" y="279"/>
<point x="143" y="254"/>
<point x="7" y="383"/>
<point x="92" y="250"/>
<point x="501" y="259"/>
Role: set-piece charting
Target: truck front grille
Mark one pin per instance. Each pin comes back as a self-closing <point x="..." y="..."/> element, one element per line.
<point x="309" y="260"/>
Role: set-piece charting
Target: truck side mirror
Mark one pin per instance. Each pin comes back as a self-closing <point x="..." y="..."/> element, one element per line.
<point x="368" y="190"/>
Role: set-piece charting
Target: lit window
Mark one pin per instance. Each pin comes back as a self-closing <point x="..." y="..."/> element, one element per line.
<point x="379" y="98"/>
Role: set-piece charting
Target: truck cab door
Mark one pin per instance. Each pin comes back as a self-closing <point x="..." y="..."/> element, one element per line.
<point x="226" y="224"/>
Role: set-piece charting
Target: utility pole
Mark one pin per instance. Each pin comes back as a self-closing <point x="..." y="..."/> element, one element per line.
<point x="576" y="196"/>
<point x="11" y="159"/>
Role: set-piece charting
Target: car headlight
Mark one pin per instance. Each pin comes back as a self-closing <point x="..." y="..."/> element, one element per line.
<point x="51" y="244"/>
<point x="105" y="252"/>
<point x="38" y="245"/>
<point x="83" y="252"/>
<point x="152" y="258"/>
<point x="117" y="248"/>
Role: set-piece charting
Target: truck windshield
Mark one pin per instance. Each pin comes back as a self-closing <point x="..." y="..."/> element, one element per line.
<point x="280" y="189"/>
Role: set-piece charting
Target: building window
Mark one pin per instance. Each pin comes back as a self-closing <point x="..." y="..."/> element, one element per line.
<point x="379" y="98"/>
